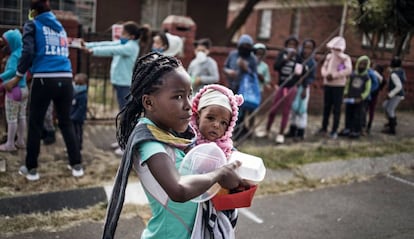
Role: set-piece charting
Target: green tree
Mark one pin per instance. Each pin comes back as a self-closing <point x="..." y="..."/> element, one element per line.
<point x="378" y="17"/>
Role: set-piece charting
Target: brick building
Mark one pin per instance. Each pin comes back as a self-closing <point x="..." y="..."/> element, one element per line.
<point x="272" y="22"/>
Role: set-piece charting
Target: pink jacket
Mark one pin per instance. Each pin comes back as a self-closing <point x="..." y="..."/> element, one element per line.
<point x="337" y="63"/>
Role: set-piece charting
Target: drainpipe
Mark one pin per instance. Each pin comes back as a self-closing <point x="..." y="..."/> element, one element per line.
<point x="343" y="18"/>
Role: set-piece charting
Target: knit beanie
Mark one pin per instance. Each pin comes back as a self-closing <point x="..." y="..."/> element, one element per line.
<point x="234" y="101"/>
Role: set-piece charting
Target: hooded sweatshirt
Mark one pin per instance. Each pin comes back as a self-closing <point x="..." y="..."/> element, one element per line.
<point x="14" y="41"/>
<point x="337" y="63"/>
<point x="231" y="62"/>
<point x="45" y="48"/>
<point x="359" y="83"/>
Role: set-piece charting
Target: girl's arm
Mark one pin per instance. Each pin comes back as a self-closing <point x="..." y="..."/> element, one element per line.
<point x="398" y="86"/>
<point x="324" y="68"/>
<point x="118" y="49"/>
<point x="345" y="72"/>
<point x="101" y="43"/>
<point x="183" y="188"/>
<point x="10" y="69"/>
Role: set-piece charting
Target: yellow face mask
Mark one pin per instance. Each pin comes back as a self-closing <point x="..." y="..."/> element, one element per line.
<point x="31" y="13"/>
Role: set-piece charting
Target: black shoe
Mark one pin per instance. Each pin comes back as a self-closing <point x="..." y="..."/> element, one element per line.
<point x="293" y="131"/>
<point x="354" y="135"/>
<point x="300" y="134"/>
<point x="344" y="133"/>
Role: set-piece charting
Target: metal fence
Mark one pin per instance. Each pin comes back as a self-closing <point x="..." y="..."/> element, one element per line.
<point x="102" y="104"/>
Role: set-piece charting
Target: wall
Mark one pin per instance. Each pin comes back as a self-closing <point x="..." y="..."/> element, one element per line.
<point x="109" y="12"/>
<point x="210" y="17"/>
<point x="318" y="23"/>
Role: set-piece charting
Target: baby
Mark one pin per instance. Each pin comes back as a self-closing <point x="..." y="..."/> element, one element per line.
<point x="215" y="110"/>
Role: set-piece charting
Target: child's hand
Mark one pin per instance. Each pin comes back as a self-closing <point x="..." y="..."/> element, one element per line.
<point x="12" y="83"/>
<point x="228" y="176"/>
<point x="329" y="77"/>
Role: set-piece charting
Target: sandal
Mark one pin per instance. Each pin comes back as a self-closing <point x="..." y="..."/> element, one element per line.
<point x="5" y="148"/>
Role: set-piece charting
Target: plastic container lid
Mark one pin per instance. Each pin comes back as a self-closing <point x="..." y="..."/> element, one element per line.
<point x="202" y="159"/>
<point x="252" y="167"/>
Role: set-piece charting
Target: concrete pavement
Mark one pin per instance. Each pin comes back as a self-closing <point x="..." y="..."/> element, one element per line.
<point x="380" y="208"/>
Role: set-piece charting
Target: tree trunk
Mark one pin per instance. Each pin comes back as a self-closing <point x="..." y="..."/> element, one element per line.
<point x="239" y="20"/>
<point x="399" y="44"/>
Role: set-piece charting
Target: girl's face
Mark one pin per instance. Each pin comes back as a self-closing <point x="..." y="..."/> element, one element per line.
<point x="158" y="43"/>
<point x="201" y="48"/>
<point x="170" y="106"/>
<point x="307" y="49"/>
<point x="213" y="121"/>
<point x="126" y="35"/>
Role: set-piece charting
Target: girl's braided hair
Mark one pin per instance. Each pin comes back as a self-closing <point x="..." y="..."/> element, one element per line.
<point x="225" y="142"/>
<point x="147" y="77"/>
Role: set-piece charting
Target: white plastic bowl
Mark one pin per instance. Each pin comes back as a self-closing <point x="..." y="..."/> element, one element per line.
<point x="202" y="159"/>
<point x="252" y="167"/>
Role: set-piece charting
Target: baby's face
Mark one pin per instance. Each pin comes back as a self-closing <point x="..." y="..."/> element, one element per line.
<point x="213" y="121"/>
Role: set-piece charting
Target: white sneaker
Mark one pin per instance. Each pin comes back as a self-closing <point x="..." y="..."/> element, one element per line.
<point x="77" y="170"/>
<point x="30" y="175"/>
<point x="119" y="152"/>
<point x="115" y="145"/>
<point x="280" y="139"/>
<point x="261" y="133"/>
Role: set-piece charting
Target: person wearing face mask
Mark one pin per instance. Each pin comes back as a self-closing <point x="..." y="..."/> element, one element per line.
<point x="285" y="64"/>
<point x="335" y="70"/>
<point x="45" y="51"/>
<point x="79" y="105"/>
<point x="356" y="90"/>
<point x="203" y="69"/>
<point x="124" y="53"/>
<point x="239" y="63"/>
<point x="159" y="42"/>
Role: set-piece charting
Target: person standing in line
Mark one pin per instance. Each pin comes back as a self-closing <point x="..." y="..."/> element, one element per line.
<point x="124" y="53"/>
<point x="356" y="91"/>
<point x="263" y="72"/>
<point x="395" y="94"/>
<point x="335" y="70"/>
<point x="79" y="105"/>
<point x="153" y="128"/>
<point x="203" y="69"/>
<point x="16" y="99"/>
<point x="285" y="64"/>
<point x="378" y="71"/>
<point x="241" y="63"/>
<point x="299" y="115"/>
<point x="45" y="51"/>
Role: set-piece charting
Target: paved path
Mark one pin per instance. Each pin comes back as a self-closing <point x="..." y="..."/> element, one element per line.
<point x="380" y="208"/>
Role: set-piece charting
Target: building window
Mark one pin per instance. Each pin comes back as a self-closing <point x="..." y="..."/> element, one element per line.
<point x="386" y="41"/>
<point x="14" y="13"/>
<point x="265" y="24"/>
<point x="155" y="11"/>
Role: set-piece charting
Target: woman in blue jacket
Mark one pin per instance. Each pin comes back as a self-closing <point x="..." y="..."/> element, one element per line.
<point x="124" y="53"/>
<point x="45" y="52"/>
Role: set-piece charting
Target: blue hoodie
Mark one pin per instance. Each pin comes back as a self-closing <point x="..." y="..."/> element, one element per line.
<point x="45" y="48"/>
<point x="14" y="41"/>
